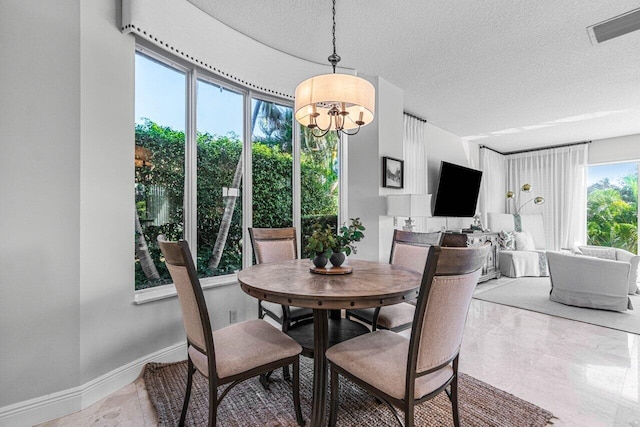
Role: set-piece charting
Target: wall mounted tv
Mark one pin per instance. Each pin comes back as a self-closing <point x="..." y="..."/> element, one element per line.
<point x="457" y="192"/>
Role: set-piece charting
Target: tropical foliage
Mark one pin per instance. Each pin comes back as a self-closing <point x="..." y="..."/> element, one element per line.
<point x="612" y="213"/>
<point x="217" y="160"/>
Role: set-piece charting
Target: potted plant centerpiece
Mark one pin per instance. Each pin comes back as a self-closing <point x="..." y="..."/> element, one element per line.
<point x="320" y="243"/>
<point x="325" y="242"/>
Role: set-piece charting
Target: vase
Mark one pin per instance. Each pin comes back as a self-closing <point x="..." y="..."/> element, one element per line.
<point x="337" y="258"/>
<point x="320" y="260"/>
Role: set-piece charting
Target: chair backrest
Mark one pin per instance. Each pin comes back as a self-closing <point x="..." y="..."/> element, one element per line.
<point x="450" y="277"/>
<point x="274" y="244"/>
<point x="195" y="316"/>
<point x="410" y="249"/>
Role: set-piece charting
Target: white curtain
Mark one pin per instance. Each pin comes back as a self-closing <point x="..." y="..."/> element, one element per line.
<point x="558" y="175"/>
<point x="494" y="182"/>
<point x="415" y="161"/>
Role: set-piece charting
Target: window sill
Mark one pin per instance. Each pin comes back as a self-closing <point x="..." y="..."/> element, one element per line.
<point x="169" y="291"/>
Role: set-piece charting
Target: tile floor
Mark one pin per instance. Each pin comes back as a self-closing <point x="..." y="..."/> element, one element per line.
<point x="586" y="375"/>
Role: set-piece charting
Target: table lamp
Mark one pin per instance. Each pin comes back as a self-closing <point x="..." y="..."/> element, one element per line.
<point x="409" y="206"/>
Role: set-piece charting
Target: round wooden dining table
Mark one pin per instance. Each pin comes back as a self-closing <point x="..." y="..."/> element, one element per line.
<point x="370" y="284"/>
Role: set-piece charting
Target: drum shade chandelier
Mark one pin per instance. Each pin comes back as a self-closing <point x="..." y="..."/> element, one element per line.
<point x="526" y="188"/>
<point x="339" y="102"/>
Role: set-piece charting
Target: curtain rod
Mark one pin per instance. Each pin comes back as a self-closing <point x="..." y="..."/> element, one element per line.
<point x="535" y="149"/>
<point x="415" y="117"/>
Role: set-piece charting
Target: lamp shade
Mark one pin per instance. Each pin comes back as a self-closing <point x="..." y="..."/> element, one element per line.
<point x="409" y="205"/>
<point x="316" y="96"/>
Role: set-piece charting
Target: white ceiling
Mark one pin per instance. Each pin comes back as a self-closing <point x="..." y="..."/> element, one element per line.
<point x="510" y="74"/>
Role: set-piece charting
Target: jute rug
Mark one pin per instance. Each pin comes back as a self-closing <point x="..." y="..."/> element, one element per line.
<point x="532" y="293"/>
<point x="248" y="404"/>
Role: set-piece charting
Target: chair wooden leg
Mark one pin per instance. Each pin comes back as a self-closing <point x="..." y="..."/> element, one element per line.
<point x="264" y="380"/>
<point x="454" y="401"/>
<point x="409" y="414"/>
<point x="296" y="392"/>
<point x="187" y="393"/>
<point x="454" y="393"/>
<point x="213" y="403"/>
<point x="334" y="402"/>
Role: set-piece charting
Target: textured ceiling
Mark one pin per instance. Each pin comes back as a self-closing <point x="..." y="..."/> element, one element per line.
<point x="510" y="74"/>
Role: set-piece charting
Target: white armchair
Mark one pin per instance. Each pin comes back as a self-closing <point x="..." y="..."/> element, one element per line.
<point x="618" y="255"/>
<point x="586" y="281"/>
<point x="527" y="257"/>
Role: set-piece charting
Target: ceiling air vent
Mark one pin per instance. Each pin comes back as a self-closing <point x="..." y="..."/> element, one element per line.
<point x="614" y="27"/>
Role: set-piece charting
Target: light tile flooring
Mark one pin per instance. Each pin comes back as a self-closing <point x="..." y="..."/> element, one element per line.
<point x="586" y="375"/>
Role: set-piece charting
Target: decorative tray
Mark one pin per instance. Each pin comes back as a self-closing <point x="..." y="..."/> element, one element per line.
<point x="343" y="269"/>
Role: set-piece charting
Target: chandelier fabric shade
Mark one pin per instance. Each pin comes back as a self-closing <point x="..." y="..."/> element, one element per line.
<point x="335" y="102"/>
<point x="339" y="102"/>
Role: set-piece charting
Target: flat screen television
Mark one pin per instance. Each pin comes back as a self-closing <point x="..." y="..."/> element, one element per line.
<point x="457" y="193"/>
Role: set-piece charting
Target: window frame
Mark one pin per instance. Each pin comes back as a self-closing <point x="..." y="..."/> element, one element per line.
<point x="193" y="73"/>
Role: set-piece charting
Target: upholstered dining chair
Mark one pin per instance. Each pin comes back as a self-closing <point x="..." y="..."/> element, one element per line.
<point x="229" y="355"/>
<point x="408" y="249"/>
<point x="272" y="245"/>
<point x="405" y="372"/>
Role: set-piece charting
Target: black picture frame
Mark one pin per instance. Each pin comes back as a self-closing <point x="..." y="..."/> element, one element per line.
<point x="392" y="172"/>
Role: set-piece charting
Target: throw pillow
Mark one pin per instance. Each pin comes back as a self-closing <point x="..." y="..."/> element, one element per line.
<point x="524" y="241"/>
<point x="506" y="240"/>
<point x="604" y="253"/>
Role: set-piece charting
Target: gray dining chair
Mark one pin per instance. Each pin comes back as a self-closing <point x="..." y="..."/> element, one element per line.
<point x="405" y="372"/>
<point x="273" y="245"/>
<point x="409" y="249"/>
<point x="228" y="355"/>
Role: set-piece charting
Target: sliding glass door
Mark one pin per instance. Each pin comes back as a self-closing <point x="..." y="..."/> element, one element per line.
<point x="612" y="205"/>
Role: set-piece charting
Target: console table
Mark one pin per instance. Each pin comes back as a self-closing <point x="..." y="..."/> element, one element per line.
<point x="490" y="268"/>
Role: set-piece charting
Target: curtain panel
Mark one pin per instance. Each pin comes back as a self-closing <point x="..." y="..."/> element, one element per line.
<point x="415" y="161"/>
<point x="558" y="175"/>
<point x="494" y="182"/>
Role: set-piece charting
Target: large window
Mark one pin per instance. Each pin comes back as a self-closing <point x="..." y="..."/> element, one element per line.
<point x="191" y="139"/>
<point x="272" y="164"/>
<point x="159" y="165"/>
<point x="188" y="169"/>
<point x="220" y="116"/>
<point x="319" y="172"/>
<point x="612" y="206"/>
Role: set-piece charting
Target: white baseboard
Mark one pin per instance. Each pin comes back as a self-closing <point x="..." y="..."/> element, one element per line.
<point x="61" y="403"/>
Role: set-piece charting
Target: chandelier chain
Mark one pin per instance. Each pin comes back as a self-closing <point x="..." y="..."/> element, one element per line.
<point x="333" y="30"/>
<point x="334" y="58"/>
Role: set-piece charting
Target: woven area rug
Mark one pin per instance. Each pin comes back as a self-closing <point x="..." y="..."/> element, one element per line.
<point x="248" y="404"/>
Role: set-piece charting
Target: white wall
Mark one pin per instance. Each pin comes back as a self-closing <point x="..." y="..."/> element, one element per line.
<point x="443" y="145"/>
<point x="39" y="197"/>
<point x="382" y="137"/>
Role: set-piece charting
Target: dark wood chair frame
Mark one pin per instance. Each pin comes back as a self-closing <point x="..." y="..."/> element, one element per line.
<point x="452" y="263"/>
<point x="410" y="238"/>
<point x="178" y="253"/>
<point x="257" y="234"/>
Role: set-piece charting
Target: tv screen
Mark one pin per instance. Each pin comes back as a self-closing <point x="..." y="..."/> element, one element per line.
<point x="457" y="192"/>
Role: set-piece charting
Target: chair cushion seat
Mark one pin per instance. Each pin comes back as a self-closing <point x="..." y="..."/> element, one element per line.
<point x="295" y="312"/>
<point x="393" y="316"/>
<point x="390" y="316"/>
<point x="244" y="346"/>
<point x="380" y="359"/>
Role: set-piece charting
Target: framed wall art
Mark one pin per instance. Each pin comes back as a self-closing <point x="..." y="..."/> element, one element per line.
<point x="392" y="172"/>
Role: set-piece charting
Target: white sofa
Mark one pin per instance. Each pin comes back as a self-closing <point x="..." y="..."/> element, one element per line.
<point x="617" y="254"/>
<point x="586" y="281"/>
<point x="518" y="263"/>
